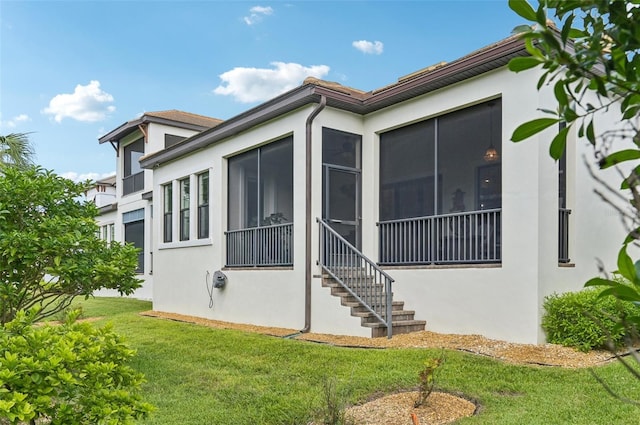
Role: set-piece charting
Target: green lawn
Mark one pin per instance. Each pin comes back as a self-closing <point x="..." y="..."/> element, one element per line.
<point x="198" y="375"/>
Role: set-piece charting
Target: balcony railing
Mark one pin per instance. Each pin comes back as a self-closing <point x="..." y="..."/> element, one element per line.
<point x="260" y="246"/>
<point x="133" y="183"/>
<point x="470" y="237"/>
<point x="563" y="235"/>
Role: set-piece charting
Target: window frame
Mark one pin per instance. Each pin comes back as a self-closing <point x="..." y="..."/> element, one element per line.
<point x="167" y="212"/>
<point x="184" y="191"/>
<point x="204" y="195"/>
<point x="190" y="216"/>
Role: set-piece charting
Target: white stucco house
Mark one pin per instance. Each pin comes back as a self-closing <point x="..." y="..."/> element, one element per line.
<point x="333" y="210"/>
<point x="103" y="195"/>
<point x="125" y="200"/>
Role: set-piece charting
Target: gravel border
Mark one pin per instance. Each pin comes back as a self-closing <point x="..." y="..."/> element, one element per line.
<point x="527" y="354"/>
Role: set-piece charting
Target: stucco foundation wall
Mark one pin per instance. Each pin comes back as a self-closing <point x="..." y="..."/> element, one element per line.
<point x="469" y="301"/>
<point x="265" y="297"/>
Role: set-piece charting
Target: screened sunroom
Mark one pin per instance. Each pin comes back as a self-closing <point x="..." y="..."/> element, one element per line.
<point x="260" y="206"/>
<point x="441" y="189"/>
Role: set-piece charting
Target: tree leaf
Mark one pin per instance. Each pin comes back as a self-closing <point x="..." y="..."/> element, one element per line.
<point x="621" y="292"/>
<point x="558" y="144"/>
<point x="620" y="156"/>
<point x="523" y="63"/>
<point x="523" y="8"/>
<point x="566" y="28"/>
<point x="575" y="33"/>
<point x="591" y="135"/>
<point x="598" y="281"/>
<point x="521" y="29"/>
<point x="528" y="129"/>
<point x="626" y="268"/>
<point x="560" y="93"/>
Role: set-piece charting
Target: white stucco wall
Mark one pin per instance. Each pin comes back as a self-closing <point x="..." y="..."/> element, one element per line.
<point x="269" y="297"/>
<point x="498" y="301"/>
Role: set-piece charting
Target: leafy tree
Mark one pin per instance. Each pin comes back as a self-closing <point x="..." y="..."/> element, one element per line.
<point x="16" y="150"/>
<point x="589" y="51"/>
<point x="49" y="248"/>
<point x="72" y="374"/>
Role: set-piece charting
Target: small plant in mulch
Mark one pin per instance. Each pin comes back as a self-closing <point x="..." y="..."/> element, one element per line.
<point x="427" y="379"/>
<point x="333" y="411"/>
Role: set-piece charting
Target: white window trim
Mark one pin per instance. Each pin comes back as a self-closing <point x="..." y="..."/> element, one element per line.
<point x="193" y="214"/>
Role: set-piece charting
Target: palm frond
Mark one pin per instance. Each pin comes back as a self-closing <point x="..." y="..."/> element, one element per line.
<point x="16" y="150"/>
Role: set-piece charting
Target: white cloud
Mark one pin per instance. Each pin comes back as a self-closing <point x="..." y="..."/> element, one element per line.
<point x="369" y="47"/>
<point x="15" y="121"/>
<point x="80" y="177"/>
<point x="257" y="13"/>
<point x="249" y="85"/>
<point x="87" y="103"/>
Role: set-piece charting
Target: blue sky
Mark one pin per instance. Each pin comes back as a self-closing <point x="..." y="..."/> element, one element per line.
<point x="70" y="71"/>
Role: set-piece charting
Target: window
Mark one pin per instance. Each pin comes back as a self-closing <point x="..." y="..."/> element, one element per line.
<point x="133" y="177"/>
<point x="112" y="232"/>
<point x="260" y="206"/>
<point x="191" y="207"/>
<point x="261" y="186"/>
<point x="184" y="209"/>
<point x="167" y="196"/>
<point x="171" y="139"/>
<point x="203" y="205"/>
<point x="134" y="233"/>
<point x="435" y="166"/>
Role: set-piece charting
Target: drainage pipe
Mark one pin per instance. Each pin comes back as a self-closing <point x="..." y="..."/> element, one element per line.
<point x="308" y="198"/>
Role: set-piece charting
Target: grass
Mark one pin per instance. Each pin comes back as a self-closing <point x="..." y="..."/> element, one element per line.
<point x="198" y="375"/>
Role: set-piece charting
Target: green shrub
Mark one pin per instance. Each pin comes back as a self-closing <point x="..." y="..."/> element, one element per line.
<point x="70" y="374"/>
<point x="584" y="320"/>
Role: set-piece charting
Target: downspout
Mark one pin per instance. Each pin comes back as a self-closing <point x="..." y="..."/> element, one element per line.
<point x="307" y="230"/>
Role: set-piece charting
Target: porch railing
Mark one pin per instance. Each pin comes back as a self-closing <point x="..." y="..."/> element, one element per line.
<point x="470" y="237"/>
<point x="133" y="183"/>
<point x="563" y="235"/>
<point x="360" y="276"/>
<point x="260" y="246"/>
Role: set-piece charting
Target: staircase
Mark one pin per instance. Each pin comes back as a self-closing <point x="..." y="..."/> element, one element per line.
<point x="363" y="286"/>
<point x="402" y="320"/>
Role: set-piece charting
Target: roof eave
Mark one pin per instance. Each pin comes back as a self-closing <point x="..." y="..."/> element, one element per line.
<point x="131" y="126"/>
<point x="280" y="105"/>
<point x="454" y="72"/>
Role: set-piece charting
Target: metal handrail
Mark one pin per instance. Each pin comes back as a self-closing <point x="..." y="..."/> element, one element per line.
<point x="357" y="274"/>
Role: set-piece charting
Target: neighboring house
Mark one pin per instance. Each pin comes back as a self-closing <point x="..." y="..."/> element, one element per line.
<point x="128" y="217"/>
<point x="103" y="195"/>
<point x="290" y="200"/>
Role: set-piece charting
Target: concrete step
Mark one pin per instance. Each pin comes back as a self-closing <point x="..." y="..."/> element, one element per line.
<point x="377" y="301"/>
<point x="340" y="290"/>
<point x="403" y="320"/>
<point x="356" y="307"/>
<point x="402" y="327"/>
<point x="398" y="316"/>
